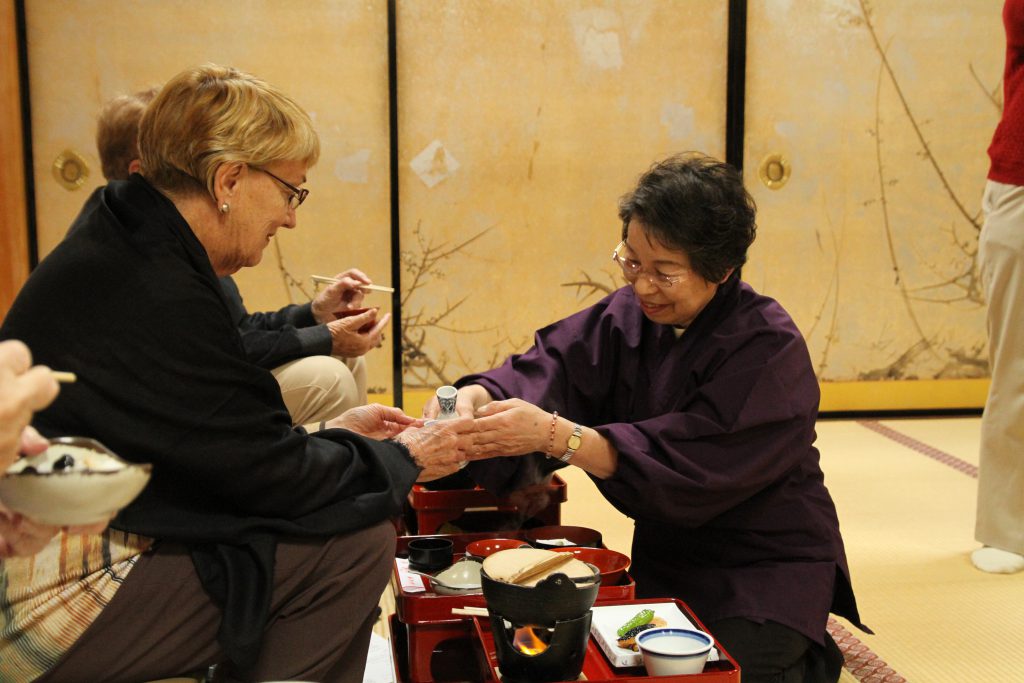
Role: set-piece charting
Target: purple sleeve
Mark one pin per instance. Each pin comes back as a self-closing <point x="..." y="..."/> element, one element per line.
<point x="701" y="423"/>
<point x="738" y="434"/>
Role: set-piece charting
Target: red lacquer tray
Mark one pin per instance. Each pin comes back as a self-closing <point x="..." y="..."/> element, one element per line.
<point x="432" y="509"/>
<point x="423" y="498"/>
<point x="596" y="667"/>
<point x="429" y="607"/>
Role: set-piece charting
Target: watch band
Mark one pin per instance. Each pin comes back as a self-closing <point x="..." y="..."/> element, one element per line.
<point x="573" y="444"/>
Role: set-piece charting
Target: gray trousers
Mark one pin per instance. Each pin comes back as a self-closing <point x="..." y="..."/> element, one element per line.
<point x="1000" y="521"/>
<point x="161" y="623"/>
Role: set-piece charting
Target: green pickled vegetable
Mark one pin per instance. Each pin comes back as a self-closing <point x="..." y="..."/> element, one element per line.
<point x="642" y="617"/>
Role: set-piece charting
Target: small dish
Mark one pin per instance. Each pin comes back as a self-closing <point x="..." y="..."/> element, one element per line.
<point x="460" y="578"/>
<point x="610" y="563"/>
<point x="338" y="315"/>
<point x="486" y="547"/>
<point x="75" y="482"/>
<point x="673" y="651"/>
<point x="549" y="537"/>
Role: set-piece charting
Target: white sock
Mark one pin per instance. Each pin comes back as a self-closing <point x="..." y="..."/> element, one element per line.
<point x="996" y="561"/>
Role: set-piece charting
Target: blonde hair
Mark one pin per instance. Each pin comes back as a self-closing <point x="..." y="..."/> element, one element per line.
<point x="117" y="132"/>
<point x="211" y="115"/>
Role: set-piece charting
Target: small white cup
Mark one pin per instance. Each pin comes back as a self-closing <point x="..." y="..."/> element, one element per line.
<point x="446" y="397"/>
<point x="672" y="651"/>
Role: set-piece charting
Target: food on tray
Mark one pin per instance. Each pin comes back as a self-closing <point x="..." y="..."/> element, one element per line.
<point x="562" y="542"/>
<point x="628" y="639"/>
<point x="509" y="565"/>
<point x="76" y="481"/>
<point x="66" y="458"/>
<point x="641" y="621"/>
<point x="642" y="617"/>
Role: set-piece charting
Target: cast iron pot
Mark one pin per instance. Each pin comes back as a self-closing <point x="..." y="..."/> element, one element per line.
<point x="556" y="598"/>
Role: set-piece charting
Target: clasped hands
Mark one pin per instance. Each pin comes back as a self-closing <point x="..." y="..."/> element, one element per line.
<point x="498" y="428"/>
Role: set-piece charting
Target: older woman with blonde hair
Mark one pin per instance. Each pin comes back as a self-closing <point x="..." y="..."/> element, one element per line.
<point x="256" y="545"/>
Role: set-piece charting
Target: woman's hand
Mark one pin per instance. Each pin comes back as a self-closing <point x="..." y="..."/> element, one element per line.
<point x="343" y="295"/>
<point x="23" y="390"/>
<point x="21" y="537"/>
<point x="375" y="421"/>
<point x="512" y="427"/>
<point x="32" y="442"/>
<point x="439" y="448"/>
<point x="469" y="398"/>
<point x="347" y="338"/>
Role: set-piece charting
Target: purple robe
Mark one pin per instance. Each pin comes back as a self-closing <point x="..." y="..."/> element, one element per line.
<point x="717" y="467"/>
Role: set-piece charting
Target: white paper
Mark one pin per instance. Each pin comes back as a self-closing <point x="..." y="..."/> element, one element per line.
<point x="411" y="583"/>
<point x="379" y="666"/>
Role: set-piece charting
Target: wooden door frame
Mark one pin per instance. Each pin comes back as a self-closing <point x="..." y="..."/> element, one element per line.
<point x="15" y="243"/>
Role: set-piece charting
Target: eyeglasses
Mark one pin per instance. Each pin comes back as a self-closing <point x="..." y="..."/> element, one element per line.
<point x="298" y="194"/>
<point x="632" y="270"/>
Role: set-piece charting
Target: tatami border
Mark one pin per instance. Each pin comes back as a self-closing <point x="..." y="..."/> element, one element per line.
<point x="910" y="442"/>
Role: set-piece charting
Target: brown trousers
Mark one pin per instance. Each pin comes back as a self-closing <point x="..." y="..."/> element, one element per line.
<point x="161" y="623"/>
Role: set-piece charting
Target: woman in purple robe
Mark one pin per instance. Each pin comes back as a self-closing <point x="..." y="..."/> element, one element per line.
<point x="691" y="401"/>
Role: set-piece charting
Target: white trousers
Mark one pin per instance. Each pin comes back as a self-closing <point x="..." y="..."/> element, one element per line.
<point x="1000" y="520"/>
<point x="318" y="388"/>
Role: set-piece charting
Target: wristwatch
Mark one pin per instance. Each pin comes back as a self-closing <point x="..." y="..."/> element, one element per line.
<point x="573" y="444"/>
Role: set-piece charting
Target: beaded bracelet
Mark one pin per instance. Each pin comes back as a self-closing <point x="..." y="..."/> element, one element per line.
<point x="551" y="437"/>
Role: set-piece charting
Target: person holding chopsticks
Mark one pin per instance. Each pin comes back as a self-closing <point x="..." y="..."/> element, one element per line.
<point x="256" y="546"/>
<point x="24" y="389"/>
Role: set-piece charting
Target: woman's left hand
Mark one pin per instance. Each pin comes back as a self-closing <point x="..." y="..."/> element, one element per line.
<point x="375" y="421"/>
<point x="21" y="537"/>
<point x="345" y="294"/>
<point x="511" y="427"/>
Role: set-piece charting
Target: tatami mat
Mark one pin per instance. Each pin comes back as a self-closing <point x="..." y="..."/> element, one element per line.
<point x="905" y="492"/>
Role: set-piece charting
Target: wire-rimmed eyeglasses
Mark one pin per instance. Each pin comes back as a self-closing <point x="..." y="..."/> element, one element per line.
<point x="632" y="270"/>
<point x="298" y="194"/>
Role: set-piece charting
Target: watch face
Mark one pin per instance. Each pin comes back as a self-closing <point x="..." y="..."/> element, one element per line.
<point x="574" y="442"/>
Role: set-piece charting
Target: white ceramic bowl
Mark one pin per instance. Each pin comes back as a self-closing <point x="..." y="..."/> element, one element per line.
<point x="671" y="651"/>
<point x="91" y="490"/>
<point x="464" y="574"/>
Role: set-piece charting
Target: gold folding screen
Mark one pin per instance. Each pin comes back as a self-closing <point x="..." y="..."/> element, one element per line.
<point x="520" y="122"/>
<point x="883" y="111"/>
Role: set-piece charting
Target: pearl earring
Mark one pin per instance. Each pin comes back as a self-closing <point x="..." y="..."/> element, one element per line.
<point x="225" y="207"/>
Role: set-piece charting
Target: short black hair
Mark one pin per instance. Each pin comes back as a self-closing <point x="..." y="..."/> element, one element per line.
<point x="697" y="204"/>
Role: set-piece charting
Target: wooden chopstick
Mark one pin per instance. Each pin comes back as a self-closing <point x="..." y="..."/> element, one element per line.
<point x="331" y="280"/>
<point x="64" y="377"/>
<point x="471" y="611"/>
